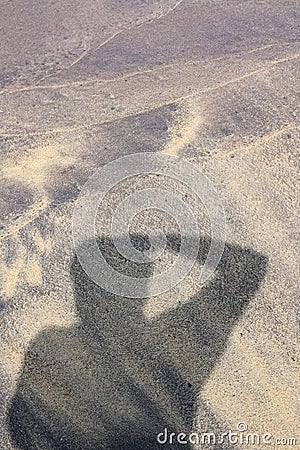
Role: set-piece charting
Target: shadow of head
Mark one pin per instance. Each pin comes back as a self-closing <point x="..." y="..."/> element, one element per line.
<point x="118" y="379"/>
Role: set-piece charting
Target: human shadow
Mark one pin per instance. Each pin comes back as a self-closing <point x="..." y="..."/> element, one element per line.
<point x="117" y="380"/>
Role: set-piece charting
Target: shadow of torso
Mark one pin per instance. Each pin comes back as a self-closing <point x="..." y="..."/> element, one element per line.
<point x="117" y="380"/>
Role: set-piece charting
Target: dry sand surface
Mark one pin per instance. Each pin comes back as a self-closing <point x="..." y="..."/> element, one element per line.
<point x="215" y="83"/>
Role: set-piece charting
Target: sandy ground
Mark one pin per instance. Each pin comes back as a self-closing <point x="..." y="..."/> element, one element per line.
<point x="214" y="83"/>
